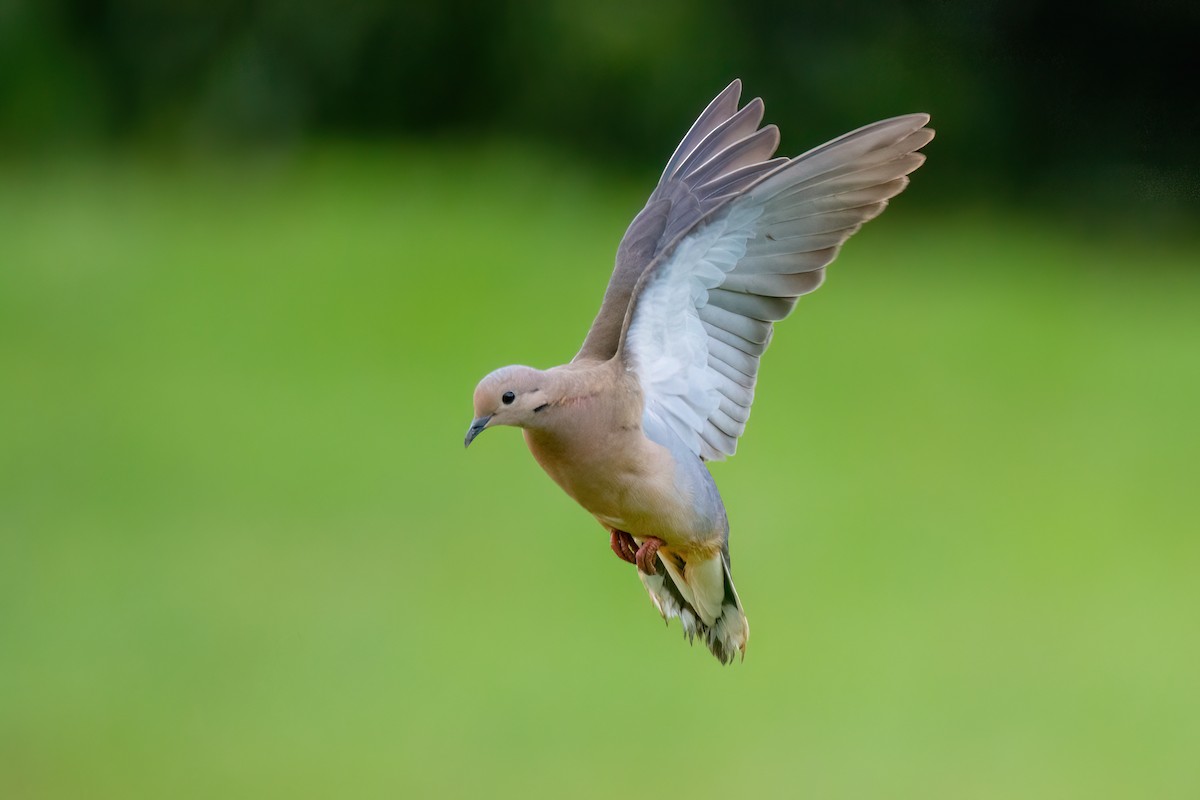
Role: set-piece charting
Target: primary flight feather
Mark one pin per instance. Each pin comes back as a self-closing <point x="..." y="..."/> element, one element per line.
<point x="728" y="241"/>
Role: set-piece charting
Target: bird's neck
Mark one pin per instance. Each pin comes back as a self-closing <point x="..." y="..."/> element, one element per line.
<point x="587" y="407"/>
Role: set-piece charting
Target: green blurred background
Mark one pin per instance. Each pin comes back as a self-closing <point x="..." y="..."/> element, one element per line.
<point x="255" y="256"/>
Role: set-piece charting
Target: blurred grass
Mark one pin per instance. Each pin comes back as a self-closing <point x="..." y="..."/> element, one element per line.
<point x="242" y="552"/>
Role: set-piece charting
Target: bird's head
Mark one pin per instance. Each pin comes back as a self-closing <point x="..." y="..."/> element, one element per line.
<point x="508" y="396"/>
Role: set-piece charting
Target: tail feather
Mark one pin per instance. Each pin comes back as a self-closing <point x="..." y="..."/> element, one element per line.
<point x="700" y="592"/>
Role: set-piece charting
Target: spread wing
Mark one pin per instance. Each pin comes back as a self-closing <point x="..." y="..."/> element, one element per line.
<point x="701" y="314"/>
<point x="723" y="152"/>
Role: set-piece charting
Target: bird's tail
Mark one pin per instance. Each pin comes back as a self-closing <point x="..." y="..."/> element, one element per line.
<point x="699" y="591"/>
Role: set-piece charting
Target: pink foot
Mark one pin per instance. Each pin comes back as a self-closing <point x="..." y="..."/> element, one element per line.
<point x="647" y="554"/>
<point x="624" y="546"/>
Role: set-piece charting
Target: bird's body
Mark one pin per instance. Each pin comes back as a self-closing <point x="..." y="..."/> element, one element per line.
<point x="665" y="379"/>
<point x="594" y="445"/>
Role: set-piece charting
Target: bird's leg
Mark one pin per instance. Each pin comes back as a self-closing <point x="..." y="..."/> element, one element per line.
<point x="647" y="554"/>
<point x="623" y="545"/>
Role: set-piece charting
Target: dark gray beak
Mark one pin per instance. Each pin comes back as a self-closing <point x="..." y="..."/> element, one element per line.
<point x="476" y="428"/>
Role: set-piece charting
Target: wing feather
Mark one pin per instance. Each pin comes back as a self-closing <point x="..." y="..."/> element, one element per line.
<point x="731" y="374"/>
<point x="724" y="152"/>
<point x="766" y="309"/>
<point x="733" y="340"/>
<point x="781" y="285"/>
<point x="757" y="236"/>
<point x="752" y="330"/>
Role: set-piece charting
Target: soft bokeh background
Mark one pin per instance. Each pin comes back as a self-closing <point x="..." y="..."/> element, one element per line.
<point x="254" y="257"/>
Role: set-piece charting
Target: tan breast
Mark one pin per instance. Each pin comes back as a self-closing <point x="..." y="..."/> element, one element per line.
<point x="623" y="479"/>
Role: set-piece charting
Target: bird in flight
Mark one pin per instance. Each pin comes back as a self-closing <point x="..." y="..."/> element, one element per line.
<point x="728" y="241"/>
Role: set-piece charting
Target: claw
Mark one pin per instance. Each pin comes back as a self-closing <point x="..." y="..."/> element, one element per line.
<point x="647" y="555"/>
<point x="623" y="545"/>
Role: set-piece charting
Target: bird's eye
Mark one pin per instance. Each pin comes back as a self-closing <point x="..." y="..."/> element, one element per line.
<point x="507" y="398"/>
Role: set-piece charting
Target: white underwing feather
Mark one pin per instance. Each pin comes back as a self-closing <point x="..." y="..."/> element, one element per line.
<point x="701" y="315"/>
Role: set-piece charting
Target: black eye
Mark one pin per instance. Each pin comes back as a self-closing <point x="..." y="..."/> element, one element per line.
<point x="507" y="398"/>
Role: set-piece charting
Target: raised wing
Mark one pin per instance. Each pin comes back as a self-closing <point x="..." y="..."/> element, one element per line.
<point x="702" y="313"/>
<point x="722" y="153"/>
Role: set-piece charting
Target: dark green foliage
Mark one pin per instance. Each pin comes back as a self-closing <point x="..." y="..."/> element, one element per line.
<point x="1082" y="103"/>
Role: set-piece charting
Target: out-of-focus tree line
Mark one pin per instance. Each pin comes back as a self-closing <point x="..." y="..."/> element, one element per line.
<point x="1089" y="102"/>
